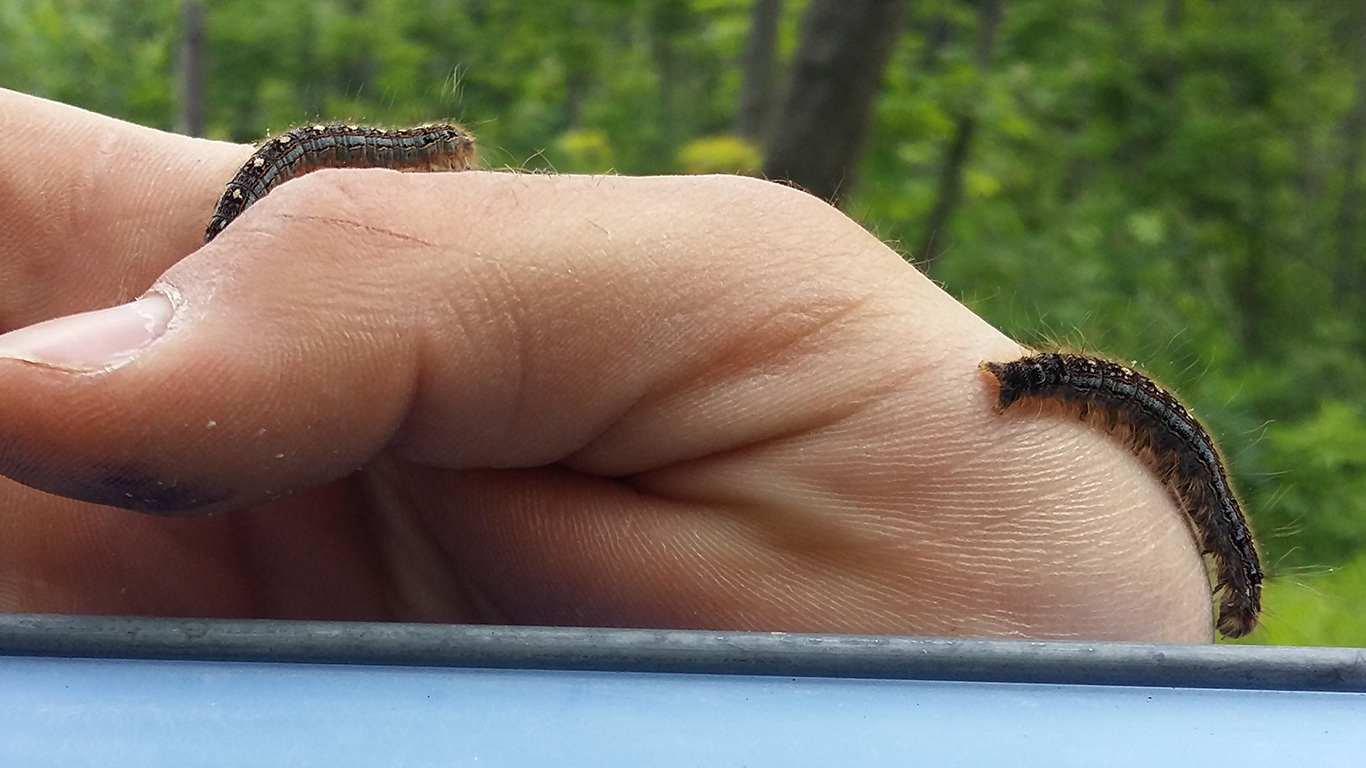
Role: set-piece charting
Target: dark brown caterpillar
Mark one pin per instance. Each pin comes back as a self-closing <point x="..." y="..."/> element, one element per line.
<point x="1163" y="434"/>
<point x="296" y="152"/>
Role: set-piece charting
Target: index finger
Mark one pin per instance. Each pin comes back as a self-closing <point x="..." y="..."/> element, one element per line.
<point x="93" y="209"/>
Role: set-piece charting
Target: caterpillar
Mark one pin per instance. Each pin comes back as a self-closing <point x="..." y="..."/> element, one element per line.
<point x="1172" y="442"/>
<point x="441" y="147"/>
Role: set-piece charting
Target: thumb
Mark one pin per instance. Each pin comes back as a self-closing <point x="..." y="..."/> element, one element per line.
<point x="464" y="320"/>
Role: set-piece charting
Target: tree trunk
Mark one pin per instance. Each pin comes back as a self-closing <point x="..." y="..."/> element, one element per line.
<point x="989" y="14"/>
<point x="820" y="128"/>
<point x="190" y="62"/>
<point x="949" y="195"/>
<point x="938" y="34"/>
<point x="756" y="70"/>
<point x="668" y="22"/>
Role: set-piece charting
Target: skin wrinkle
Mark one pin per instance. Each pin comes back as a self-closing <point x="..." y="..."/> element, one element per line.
<point x="885" y="572"/>
<point x="683" y="389"/>
<point x="844" y="431"/>
<point x="645" y="357"/>
<point x="424" y="582"/>
<point x="669" y="550"/>
<point x="356" y="188"/>
<point x="147" y="215"/>
<point x="516" y="308"/>
<point x="743" y="361"/>
<point x="773" y="520"/>
<point x="645" y="481"/>
<point x="755" y="507"/>
<point x="475" y="331"/>
<point x="801" y="577"/>
<point x="1109" y="462"/>
<point x="322" y="220"/>
<point x="727" y="564"/>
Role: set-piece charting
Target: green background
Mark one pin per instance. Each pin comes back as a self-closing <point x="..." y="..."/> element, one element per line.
<point x="1173" y="182"/>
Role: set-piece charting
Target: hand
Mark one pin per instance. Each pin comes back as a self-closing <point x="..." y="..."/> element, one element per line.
<point x="666" y="402"/>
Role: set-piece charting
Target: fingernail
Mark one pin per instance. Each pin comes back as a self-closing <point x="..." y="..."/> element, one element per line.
<point x="91" y="341"/>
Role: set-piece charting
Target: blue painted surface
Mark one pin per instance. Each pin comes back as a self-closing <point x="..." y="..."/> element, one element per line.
<point x="74" y="712"/>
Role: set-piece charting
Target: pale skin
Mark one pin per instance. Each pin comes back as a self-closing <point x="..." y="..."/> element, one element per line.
<point x="695" y="402"/>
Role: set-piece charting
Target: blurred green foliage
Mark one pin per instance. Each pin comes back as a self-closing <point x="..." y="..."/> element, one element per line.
<point x="720" y="154"/>
<point x="1175" y="182"/>
<point x="1322" y="609"/>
